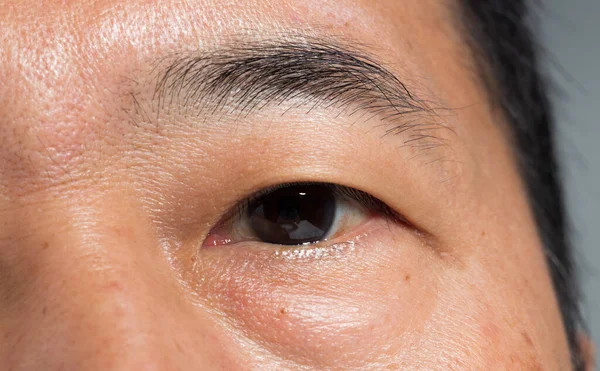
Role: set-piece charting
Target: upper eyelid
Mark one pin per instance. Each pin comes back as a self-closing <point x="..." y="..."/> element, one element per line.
<point x="368" y="201"/>
<point x="230" y="81"/>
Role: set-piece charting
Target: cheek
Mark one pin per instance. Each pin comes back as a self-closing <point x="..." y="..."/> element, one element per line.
<point x="479" y="323"/>
<point x="505" y="340"/>
<point x="350" y="304"/>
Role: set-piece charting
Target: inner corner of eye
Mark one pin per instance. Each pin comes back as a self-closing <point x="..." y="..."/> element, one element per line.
<point x="214" y="239"/>
<point x="293" y="214"/>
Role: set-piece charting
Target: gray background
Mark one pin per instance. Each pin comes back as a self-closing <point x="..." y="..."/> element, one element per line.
<point x="571" y="33"/>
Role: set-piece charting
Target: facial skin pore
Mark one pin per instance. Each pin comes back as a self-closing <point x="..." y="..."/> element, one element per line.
<point x="109" y="185"/>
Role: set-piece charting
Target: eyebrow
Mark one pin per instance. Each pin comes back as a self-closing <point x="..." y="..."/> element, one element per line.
<point x="245" y="77"/>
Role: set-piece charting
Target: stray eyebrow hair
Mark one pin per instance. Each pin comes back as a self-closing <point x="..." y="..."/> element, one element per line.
<point x="249" y="76"/>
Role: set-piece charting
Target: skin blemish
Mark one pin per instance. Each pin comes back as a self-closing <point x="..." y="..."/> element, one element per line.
<point x="45" y="245"/>
<point x="114" y="286"/>
<point x="527" y="338"/>
<point x="125" y="232"/>
<point x="491" y="331"/>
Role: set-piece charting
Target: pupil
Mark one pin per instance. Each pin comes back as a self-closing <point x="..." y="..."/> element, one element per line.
<point x="294" y="215"/>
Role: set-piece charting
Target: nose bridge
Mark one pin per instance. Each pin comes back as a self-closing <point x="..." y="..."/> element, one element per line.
<point x="102" y="285"/>
<point x="105" y="297"/>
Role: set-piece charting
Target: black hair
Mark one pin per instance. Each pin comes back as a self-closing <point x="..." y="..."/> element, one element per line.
<point x="507" y="53"/>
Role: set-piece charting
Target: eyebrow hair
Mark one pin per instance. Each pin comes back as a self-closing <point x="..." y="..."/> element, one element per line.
<point x="245" y="77"/>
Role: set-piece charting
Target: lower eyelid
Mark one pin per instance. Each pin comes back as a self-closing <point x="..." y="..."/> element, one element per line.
<point x="330" y="247"/>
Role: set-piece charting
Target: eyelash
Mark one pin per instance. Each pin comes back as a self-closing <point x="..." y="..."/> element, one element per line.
<point x="369" y="202"/>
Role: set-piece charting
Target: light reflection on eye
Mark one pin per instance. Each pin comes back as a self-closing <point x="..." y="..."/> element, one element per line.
<point x="297" y="214"/>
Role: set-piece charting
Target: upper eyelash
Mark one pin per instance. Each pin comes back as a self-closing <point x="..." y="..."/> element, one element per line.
<point x="366" y="200"/>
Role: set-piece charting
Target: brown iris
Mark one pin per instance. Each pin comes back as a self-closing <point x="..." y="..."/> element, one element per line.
<point x="294" y="215"/>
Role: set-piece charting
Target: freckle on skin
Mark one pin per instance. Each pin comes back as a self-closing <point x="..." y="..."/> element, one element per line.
<point x="44" y="310"/>
<point x="125" y="232"/>
<point x="407" y="278"/>
<point x="282" y="311"/>
<point x="179" y="347"/>
<point x="45" y="245"/>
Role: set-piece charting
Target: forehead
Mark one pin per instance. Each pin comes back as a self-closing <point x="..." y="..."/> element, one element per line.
<point x="51" y="40"/>
<point x="68" y="64"/>
<point x="114" y="19"/>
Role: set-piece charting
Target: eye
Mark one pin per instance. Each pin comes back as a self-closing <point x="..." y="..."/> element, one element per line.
<point x="296" y="214"/>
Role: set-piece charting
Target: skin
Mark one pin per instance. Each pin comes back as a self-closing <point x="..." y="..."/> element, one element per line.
<point x="104" y="208"/>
